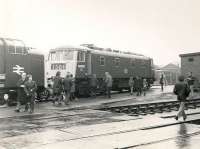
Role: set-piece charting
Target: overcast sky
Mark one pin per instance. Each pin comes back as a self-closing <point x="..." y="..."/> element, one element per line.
<point x="161" y="29"/>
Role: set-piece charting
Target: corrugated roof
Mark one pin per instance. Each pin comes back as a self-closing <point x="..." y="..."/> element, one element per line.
<point x="190" y="54"/>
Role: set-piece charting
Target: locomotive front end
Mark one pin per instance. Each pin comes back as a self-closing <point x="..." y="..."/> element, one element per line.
<point x="63" y="59"/>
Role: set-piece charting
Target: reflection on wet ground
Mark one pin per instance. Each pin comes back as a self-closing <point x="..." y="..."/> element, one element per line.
<point x="21" y="125"/>
<point x="184" y="140"/>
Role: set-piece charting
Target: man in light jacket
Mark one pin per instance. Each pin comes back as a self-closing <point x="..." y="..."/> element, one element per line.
<point x="108" y="82"/>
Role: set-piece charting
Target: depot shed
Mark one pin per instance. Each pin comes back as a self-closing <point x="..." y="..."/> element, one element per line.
<point x="190" y="62"/>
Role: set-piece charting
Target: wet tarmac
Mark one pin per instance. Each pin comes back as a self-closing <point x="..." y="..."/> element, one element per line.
<point x="86" y="128"/>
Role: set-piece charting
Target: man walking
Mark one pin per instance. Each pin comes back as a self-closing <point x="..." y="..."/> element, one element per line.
<point x="182" y="90"/>
<point x="108" y="82"/>
<point x="162" y="82"/>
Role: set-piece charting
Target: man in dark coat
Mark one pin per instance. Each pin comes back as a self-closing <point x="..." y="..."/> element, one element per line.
<point x="30" y="89"/>
<point x="93" y="85"/>
<point x="67" y="88"/>
<point x="57" y="88"/>
<point x="138" y="85"/>
<point x="162" y="82"/>
<point x="182" y="90"/>
<point x="21" y="95"/>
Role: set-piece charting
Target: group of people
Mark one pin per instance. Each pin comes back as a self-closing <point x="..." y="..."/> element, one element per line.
<point x="26" y="93"/>
<point x="183" y="89"/>
<point x="66" y="86"/>
<point x="139" y="84"/>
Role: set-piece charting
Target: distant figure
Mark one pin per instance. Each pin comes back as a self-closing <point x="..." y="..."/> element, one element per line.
<point x="21" y="95"/>
<point x="108" y="82"/>
<point x="57" y="88"/>
<point x="67" y="88"/>
<point x="182" y="90"/>
<point x="93" y="85"/>
<point x="162" y="82"/>
<point x="145" y="86"/>
<point x="73" y="88"/>
<point x="190" y="81"/>
<point x="138" y="85"/>
<point x="30" y="89"/>
<point x="131" y="84"/>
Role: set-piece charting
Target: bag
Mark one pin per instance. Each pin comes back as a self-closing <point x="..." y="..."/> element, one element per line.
<point x="187" y="90"/>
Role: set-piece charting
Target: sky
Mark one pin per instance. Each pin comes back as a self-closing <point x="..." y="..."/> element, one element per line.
<point x="161" y="29"/>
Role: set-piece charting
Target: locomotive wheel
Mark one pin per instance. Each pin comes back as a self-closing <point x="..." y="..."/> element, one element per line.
<point x="44" y="95"/>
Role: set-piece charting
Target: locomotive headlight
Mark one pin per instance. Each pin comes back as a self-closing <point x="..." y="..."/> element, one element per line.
<point x="5" y="96"/>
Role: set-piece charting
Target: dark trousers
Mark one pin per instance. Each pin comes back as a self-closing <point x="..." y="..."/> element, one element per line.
<point x="162" y="86"/>
<point x="30" y="103"/>
<point x="108" y="91"/>
<point x="93" y="90"/>
<point x="67" y="97"/>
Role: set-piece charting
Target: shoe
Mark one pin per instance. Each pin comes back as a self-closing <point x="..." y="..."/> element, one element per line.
<point x="184" y="118"/>
<point x="30" y="111"/>
<point x="17" y="110"/>
<point x="176" y="118"/>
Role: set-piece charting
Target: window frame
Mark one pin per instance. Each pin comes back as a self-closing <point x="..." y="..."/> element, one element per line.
<point x="13" y="44"/>
<point x="191" y="59"/>
<point x="100" y="60"/>
<point x="84" y="56"/>
<point x="117" y="61"/>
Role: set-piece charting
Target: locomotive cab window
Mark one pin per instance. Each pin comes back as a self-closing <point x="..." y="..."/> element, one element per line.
<point x="81" y="56"/>
<point x="133" y="62"/>
<point x="52" y="56"/>
<point x="16" y="47"/>
<point x="117" y="62"/>
<point x="102" y="60"/>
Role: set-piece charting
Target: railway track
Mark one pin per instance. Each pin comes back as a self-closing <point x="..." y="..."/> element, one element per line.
<point x="152" y="107"/>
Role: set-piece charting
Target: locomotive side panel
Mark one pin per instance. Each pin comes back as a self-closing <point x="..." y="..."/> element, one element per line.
<point x="37" y="68"/>
<point x="2" y="57"/>
<point x="121" y="68"/>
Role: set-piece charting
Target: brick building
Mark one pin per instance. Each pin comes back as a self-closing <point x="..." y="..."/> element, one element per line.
<point x="190" y="62"/>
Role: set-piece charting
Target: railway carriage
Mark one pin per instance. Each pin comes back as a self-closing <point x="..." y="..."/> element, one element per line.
<point x="85" y="60"/>
<point x="16" y="58"/>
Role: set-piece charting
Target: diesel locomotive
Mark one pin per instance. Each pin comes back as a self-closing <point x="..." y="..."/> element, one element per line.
<point x="16" y="58"/>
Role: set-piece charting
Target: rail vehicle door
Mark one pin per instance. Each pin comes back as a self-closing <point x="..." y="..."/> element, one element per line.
<point x="16" y="62"/>
<point x="2" y="64"/>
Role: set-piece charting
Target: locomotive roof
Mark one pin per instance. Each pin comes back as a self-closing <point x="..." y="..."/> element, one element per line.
<point x="190" y="54"/>
<point x="36" y="52"/>
<point x="61" y="48"/>
<point x="106" y="52"/>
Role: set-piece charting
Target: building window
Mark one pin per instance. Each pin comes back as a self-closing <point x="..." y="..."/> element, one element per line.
<point x="117" y="61"/>
<point x="81" y="56"/>
<point x="191" y="59"/>
<point x="102" y="60"/>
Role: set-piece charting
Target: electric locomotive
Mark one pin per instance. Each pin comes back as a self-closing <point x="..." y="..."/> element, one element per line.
<point x="85" y="60"/>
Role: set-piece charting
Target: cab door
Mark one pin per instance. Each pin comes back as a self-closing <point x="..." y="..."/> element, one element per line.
<point x="2" y="64"/>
